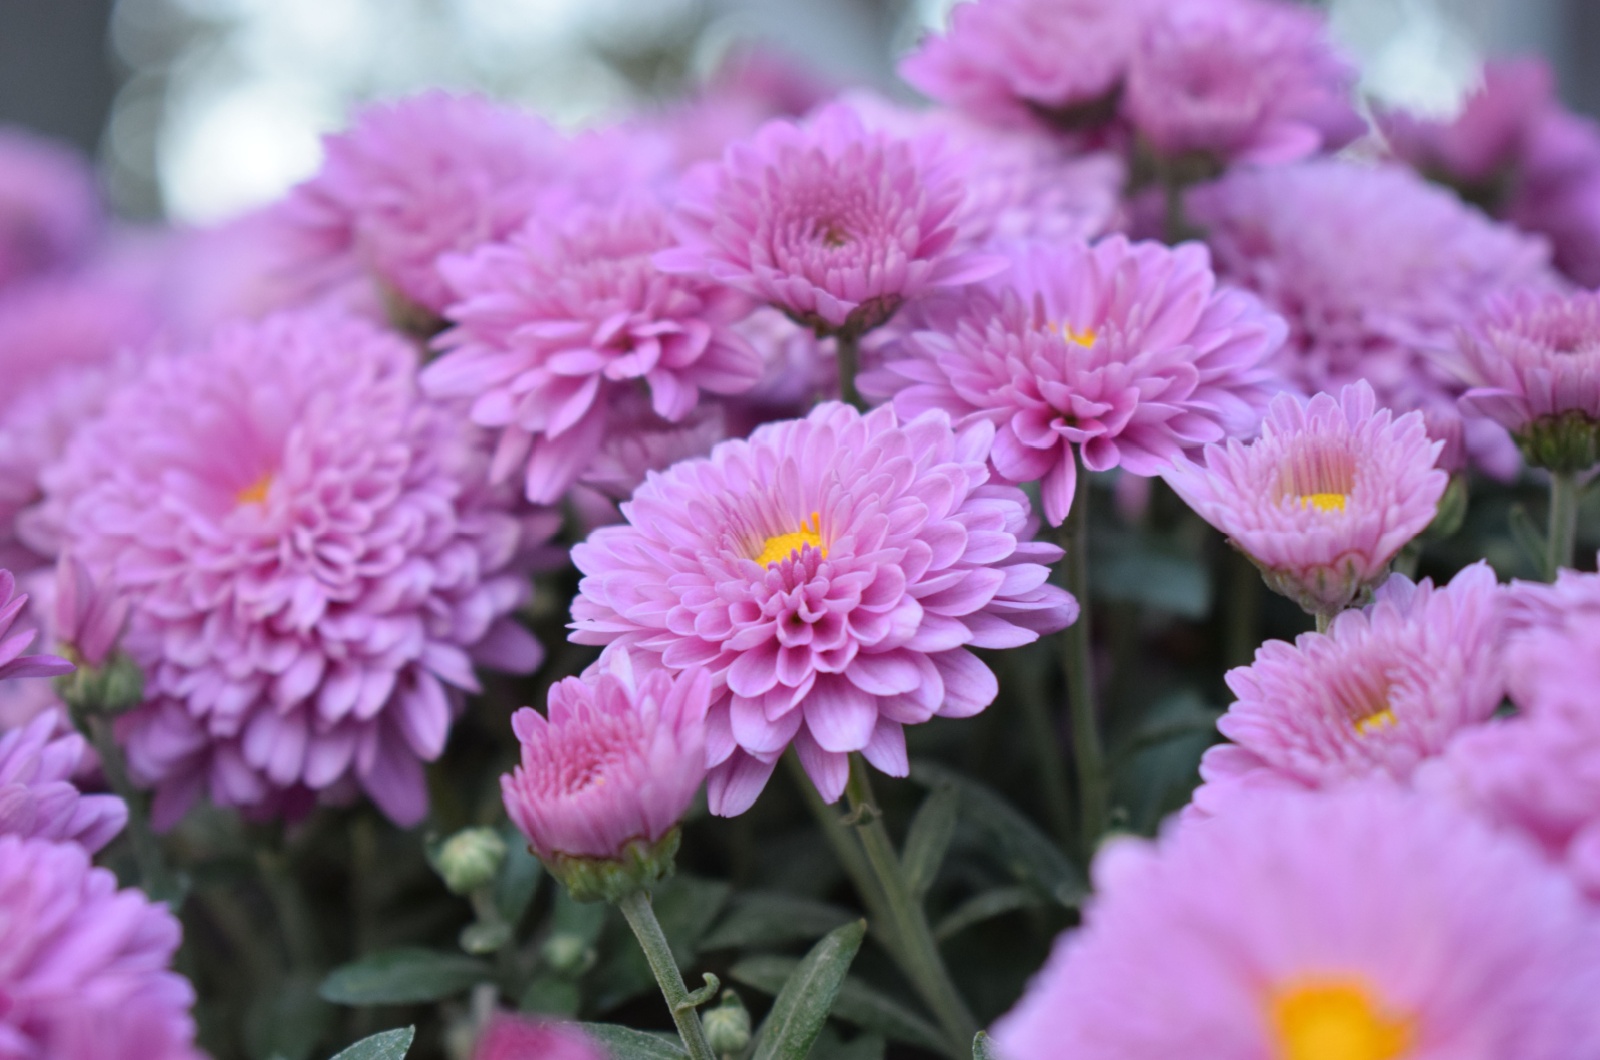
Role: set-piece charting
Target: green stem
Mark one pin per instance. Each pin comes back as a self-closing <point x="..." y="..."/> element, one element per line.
<point x="155" y="878"/>
<point x="1324" y="620"/>
<point x="1051" y="762"/>
<point x="1079" y="664"/>
<point x="642" y="918"/>
<point x="850" y="857"/>
<point x="1244" y="605"/>
<point x="848" y="347"/>
<point x="920" y="958"/>
<point x="1562" y="545"/>
<point x="289" y="905"/>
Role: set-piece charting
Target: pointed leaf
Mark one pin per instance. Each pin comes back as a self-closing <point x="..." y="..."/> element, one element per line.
<point x="403" y="976"/>
<point x="857" y="1002"/>
<point x="767" y="918"/>
<point x="803" y="1004"/>
<point x="625" y="1043"/>
<point x="385" y="1045"/>
<point x="929" y="837"/>
<point x="519" y="877"/>
<point x="981" y="1048"/>
<point x="985" y="906"/>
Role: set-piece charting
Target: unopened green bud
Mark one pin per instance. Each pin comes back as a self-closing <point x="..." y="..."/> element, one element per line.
<point x="485" y="937"/>
<point x="470" y="859"/>
<point x="727" y="1026"/>
<point x="566" y="954"/>
<point x="108" y="690"/>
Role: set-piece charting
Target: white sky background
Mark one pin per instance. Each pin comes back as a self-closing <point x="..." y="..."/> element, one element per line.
<point x="236" y="93"/>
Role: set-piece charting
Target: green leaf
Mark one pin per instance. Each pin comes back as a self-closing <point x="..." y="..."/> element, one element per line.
<point x="857" y="1003"/>
<point x="768" y="918"/>
<point x="929" y="837"/>
<point x="981" y="1050"/>
<point x="551" y="995"/>
<point x="385" y="1045"/>
<point x="1529" y="538"/>
<point x="519" y="877"/>
<point x="402" y="976"/>
<point x="802" y="1005"/>
<point x="1180" y="715"/>
<point x="286" y="1021"/>
<point x="625" y="1043"/>
<point x="985" y="906"/>
<point x="1019" y="844"/>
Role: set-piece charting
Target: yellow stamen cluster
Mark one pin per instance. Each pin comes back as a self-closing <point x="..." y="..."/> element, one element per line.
<point x="1324" y="502"/>
<point x="256" y="492"/>
<point x="1376" y="722"/>
<point x="1335" y="1019"/>
<point x="1084" y="338"/>
<point x="780" y="547"/>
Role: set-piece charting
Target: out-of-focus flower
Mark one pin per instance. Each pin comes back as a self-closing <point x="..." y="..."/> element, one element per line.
<point x="1325" y="498"/>
<point x="1239" y="81"/>
<point x="12" y="662"/>
<point x="552" y="323"/>
<point x="1375" y="270"/>
<point x="604" y="780"/>
<point x="1126" y="352"/>
<point x="1557" y="192"/>
<point x="1479" y="149"/>
<point x="831" y="573"/>
<point x="37" y="796"/>
<point x="1384" y="690"/>
<point x="84" y="967"/>
<point x="1533" y="360"/>
<point x="1020" y="62"/>
<point x="312" y="559"/>
<point x="416" y="178"/>
<point x="49" y="209"/>
<point x="1365" y="922"/>
<point x="513" y="1037"/>
<point x="832" y="222"/>
<point x="638" y="442"/>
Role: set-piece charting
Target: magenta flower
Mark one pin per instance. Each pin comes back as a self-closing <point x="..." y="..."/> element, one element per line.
<point x="1363" y="923"/>
<point x="1384" y="690"/>
<point x="50" y="212"/>
<point x="1534" y="361"/>
<point x="1325" y="498"/>
<point x="553" y="323"/>
<point x="831" y="573"/>
<point x="1241" y="81"/>
<point x="12" y="662"/>
<point x="311" y="560"/>
<point x="37" y="796"/>
<point x="512" y="1037"/>
<point x="832" y="222"/>
<point x="1126" y="351"/>
<point x="1017" y="62"/>
<point x="618" y="761"/>
<point x="84" y="967"/>
<point x="417" y="178"/>
<point x="1375" y="270"/>
<point x="1557" y="191"/>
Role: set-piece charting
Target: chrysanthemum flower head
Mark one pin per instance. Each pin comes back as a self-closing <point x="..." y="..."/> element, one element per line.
<point x="84" y="967"/>
<point x="1534" y="361"/>
<point x="832" y="222"/>
<point x="1126" y="352"/>
<point x="1485" y="141"/>
<point x="606" y="777"/>
<point x="551" y="324"/>
<point x="1375" y="270"/>
<point x="1325" y="498"/>
<point x="12" y="662"/>
<point x="1239" y="81"/>
<point x="416" y="178"/>
<point x="311" y="558"/>
<point x="37" y="796"/>
<point x="514" y="1037"/>
<point x="1385" y="689"/>
<point x="50" y="211"/>
<point x="1360" y="924"/>
<point x="1019" y="62"/>
<point x="832" y="574"/>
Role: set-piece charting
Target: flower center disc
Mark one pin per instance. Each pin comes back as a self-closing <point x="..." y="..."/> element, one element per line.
<point x="1084" y="338"/>
<point x="256" y="492"/>
<point x="1324" y="502"/>
<point x="780" y="547"/>
<point x="1376" y="722"/>
<point x="1335" y="1020"/>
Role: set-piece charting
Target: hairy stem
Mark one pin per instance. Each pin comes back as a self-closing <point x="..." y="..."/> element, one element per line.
<point x="1563" y="540"/>
<point x="642" y="918"/>
<point x="1079" y="664"/>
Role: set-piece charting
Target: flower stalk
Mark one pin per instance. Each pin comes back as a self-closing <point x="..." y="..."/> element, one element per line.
<point x="1561" y="545"/>
<point x="641" y="918"/>
<point x="1079" y="666"/>
<point x="847" y="344"/>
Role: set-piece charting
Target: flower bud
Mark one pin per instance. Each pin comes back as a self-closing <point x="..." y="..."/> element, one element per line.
<point x="727" y="1026"/>
<point x="470" y="859"/>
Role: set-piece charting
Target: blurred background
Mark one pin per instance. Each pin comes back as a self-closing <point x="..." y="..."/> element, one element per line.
<point x="197" y="109"/>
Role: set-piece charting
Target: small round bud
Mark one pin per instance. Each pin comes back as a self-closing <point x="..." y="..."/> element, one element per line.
<point x="483" y="938"/>
<point x="470" y="859"/>
<point x="727" y="1026"/>
<point x="567" y="954"/>
<point x="113" y="688"/>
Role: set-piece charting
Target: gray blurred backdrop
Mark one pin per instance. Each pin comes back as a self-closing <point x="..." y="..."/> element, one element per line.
<point x="196" y="109"/>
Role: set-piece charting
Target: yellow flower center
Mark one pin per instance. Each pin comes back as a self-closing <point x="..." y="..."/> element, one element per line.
<point x="780" y="547"/>
<point x="256" y="492"/>
<point x="1084" y="338"/>
<point x="1375" y="722"/>
<point x="1324" y="502"/>
<point x="1335" y="1019"/>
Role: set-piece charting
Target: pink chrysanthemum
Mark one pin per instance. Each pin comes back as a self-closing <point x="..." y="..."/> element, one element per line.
<point x="1240" y="81"/>
<point x="1534" y="361"/>
<point x="311" y="561"/>
<point x="638" y="442"/>
<point x="1126" y="351"/>
<point x="1487" y="139"/>
<point x="619" y="759"/>
<point x="1017" y="62"/>
<point x="49" y="209"/>
<point x="417" y="178"/>
<point x="513" y="1037"/>
<point x="37" y="796"/>
<point x="831" y="573"/>
<point x="84" y="968"/>
<point x="551" y="324"/>
<point x="1325" y="498"/>
<point x="834" y="223"/>
<point x="1375" y="270"/>
<point x="12" y="662"/>
<point x="1362" y="923"/>
<point x="1385" y="689"/>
